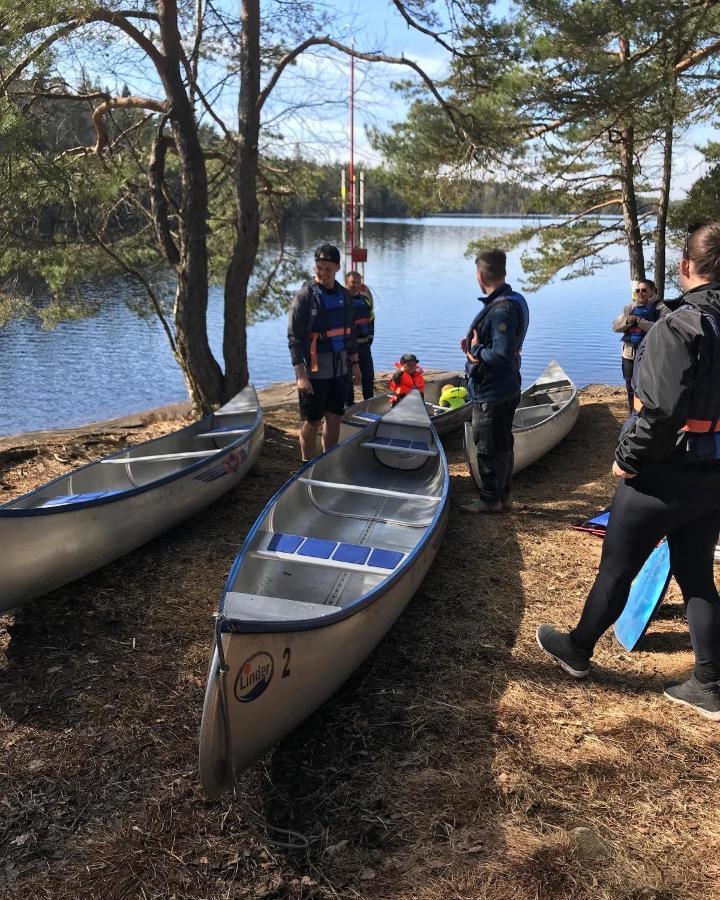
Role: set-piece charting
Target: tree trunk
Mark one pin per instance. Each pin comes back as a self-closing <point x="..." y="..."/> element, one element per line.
<point x="247" y="236"/>
<point x="664" y="203"/>
<point x="627" y="182"/>
<point x="200" y="369"/>
<point x="629" y="205"/>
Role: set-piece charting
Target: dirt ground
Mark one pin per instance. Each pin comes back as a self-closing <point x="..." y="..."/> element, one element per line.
<point x="455" y="763"/>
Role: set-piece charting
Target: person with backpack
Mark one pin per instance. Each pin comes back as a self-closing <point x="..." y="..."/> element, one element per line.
<point x="668" y="464"/>
<point x="323" y="350"/>
<point x="492" y="349"/>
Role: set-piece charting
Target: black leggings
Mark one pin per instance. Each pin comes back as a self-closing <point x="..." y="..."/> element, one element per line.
<point x="627" y="369"/>
<point x="684" y="504"/>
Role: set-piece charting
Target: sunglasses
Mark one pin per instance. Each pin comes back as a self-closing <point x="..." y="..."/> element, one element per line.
<point x="642" y="291"/>
<point x="690" y="230"/>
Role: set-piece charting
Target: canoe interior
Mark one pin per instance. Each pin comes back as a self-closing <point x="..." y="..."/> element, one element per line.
<point x="380" y="403"/>
<point x="383" y="520"/>
<point x="241" y="414"/>
<point x="542" y="401"/>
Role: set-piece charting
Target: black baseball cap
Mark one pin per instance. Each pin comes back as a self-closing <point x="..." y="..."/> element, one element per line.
<point x="328" y="252"/>
<point x="408" y="357"/>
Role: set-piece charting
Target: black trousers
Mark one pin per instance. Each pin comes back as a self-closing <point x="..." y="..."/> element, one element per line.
<point x="684" y="504"/>
<point x="367" y="371"/>
<point x="494" y="442"/>
<point x="627" y="369"/>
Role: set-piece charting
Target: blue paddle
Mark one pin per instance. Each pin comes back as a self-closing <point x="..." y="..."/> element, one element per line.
<point x="646" y="594"/>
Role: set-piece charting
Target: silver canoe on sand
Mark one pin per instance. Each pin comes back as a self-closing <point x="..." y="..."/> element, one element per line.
<point x="444" y="419"/>
<point x="95" y="514"/>
<point x="547" y="411"/>
<point x="326" y="569"/>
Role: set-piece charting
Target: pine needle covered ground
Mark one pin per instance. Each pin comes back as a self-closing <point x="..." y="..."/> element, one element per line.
<point x="456" y="762"/>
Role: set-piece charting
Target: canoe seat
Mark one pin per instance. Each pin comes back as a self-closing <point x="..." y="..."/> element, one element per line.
<point x="68" y="499"/>
<point x="366" y="414"/>
<point x="225" y="430"/>
<point x="400" y="445"/>
<point x="330" y="554"/>
<point x="375" y="492"/>
<point x="237" y="605"/>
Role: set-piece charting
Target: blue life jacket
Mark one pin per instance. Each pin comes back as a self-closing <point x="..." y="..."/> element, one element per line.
<point x="635" y="334"/>
<point x="364" y="321"/>
<point x="330" y="323"/>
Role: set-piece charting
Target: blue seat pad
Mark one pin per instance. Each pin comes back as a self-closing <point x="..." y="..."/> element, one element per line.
<point x="355" y="554"/>
<point x="366" y="414"/>
<point x="68" y="499"/>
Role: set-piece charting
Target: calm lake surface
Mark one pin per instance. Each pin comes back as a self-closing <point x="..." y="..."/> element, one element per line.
<point x="425" y="292"/>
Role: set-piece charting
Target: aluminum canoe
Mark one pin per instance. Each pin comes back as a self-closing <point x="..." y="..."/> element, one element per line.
<point x="547" y="411"/>
<point x="444" y="419"/>
<point x="326" y="569"/>
<point x="95" y="514"/>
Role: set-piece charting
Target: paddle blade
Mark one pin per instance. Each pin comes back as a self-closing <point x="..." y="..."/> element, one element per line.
<point x="646" y="593"/>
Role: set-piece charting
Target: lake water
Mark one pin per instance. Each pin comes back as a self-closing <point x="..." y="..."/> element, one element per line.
<point x="426" y="295"/>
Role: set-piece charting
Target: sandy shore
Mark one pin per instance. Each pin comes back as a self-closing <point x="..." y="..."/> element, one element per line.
<point x="455" y="763"/>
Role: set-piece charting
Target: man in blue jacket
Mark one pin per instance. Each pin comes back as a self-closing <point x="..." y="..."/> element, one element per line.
<point x="492" y="347"/>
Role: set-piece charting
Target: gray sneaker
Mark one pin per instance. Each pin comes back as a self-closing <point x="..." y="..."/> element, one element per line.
<point x="703" y="698"/>
<point x="558" y="646"/>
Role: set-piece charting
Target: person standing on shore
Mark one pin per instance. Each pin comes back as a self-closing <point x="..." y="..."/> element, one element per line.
<point x="634" y="322"/>
<point x="362" y="299"/>
<point x="492" y="349"/>
<point x="668" y="463"/>
<point x="323" y="350"/>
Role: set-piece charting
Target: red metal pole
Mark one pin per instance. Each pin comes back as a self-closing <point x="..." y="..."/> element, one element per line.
<point x="352" y="160"/>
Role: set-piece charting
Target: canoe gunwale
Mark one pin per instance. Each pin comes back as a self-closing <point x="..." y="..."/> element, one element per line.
<point x="228" y="625"/>
<point x="9" y="512"/>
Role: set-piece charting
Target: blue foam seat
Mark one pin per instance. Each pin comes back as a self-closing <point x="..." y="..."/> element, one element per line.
<point x="69" y="499"/>
<point x="385" y="559"/>
<point x="352" y="553"/>
<point x="317" y="548"/>
<point x="366" y="414"/>
<point x="419" y="445"/>
<point x="400" y="442"/>
<point x="382" y="440"/>
<point x="285" y="543"/>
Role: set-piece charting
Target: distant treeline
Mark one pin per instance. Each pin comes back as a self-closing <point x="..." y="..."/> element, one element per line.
<point x="383" y="197"/>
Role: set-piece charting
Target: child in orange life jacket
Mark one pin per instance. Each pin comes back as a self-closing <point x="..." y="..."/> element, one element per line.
<point x="408" y="375"/>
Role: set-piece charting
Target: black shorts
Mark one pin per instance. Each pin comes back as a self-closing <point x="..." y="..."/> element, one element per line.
<point x="328" y="396"/>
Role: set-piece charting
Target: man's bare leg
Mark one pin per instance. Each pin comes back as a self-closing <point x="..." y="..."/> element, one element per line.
<point x="308" y="438"/>
<point x="331" y="431"/>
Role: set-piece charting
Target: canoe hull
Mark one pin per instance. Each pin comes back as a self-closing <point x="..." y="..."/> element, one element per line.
<point x="537" y="428"/>
<point x="43" y="549"/>
<point x="309" y="666"/>
<point x="327" y="568"/>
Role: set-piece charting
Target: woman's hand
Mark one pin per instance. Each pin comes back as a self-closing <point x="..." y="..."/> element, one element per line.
<point x="621" y="473"/>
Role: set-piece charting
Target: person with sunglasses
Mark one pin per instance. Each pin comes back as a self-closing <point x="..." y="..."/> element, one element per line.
<point x="634" y="322"/>
<point x="668" y="466"/>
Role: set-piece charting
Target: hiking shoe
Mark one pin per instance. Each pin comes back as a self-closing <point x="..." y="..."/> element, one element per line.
<point x="559" y="647"/>
<point x="482" y="506"/>
<point x="507" y="504"/>
<point x="703" y="698"/>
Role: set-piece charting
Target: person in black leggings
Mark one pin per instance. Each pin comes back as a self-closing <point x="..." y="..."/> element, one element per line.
<point x="668" y="463"/>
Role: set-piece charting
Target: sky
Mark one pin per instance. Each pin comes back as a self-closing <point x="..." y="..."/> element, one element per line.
<point x="319" y="82"/>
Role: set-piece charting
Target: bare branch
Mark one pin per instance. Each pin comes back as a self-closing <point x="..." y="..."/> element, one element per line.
<point x="367" y="57"/>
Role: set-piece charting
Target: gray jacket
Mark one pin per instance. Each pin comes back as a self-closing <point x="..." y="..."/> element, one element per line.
<point x="622" y="326"/>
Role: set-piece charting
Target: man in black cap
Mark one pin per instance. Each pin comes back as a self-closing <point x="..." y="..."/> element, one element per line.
<point x="323" y="347"/>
